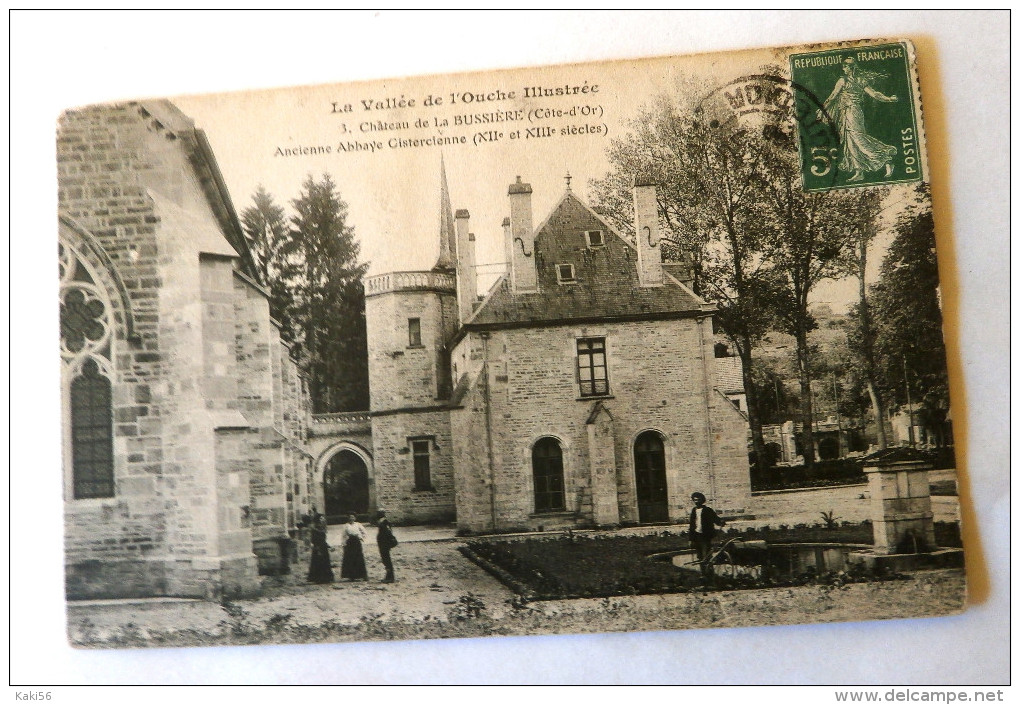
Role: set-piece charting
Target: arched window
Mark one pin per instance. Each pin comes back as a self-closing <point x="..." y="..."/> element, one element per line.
<point x="85" y="348"/>
<point x="547" y="465"/>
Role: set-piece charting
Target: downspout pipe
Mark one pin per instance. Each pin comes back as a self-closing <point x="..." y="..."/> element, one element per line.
<point x="488" y="429"/>
<point x="708" y="410"/>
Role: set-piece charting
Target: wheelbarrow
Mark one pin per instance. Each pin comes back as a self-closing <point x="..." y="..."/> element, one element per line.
<point x="736" y="558"/>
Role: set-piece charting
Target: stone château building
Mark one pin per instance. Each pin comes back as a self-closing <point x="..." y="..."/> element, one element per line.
<point x="578" y="391"/>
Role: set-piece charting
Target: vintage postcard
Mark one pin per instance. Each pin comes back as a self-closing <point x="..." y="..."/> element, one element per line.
<point x="626" y="346"/>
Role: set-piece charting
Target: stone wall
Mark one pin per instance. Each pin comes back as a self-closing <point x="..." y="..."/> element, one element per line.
<point x="731" y="483"/>
<point x="472" y="453"/>
<point x="118" y="545"/>
<point x="659" y="379"/>
<point x="290" y="417"/>
<point x="848" y="503"/>
<point x="255" y="349"/>
<point x="393" y="460"/>
<point x="329" y="434"/>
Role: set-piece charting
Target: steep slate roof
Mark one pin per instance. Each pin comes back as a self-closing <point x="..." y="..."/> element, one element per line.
<point x="606" y="280"/>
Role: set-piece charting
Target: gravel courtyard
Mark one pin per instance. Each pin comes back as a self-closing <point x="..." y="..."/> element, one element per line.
<point x="439" y="593"/>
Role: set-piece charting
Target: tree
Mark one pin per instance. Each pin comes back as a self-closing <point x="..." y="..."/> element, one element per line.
<point x="732" y="202"/>
<point x="908" y="317"/>
<point x="862" y="337"/>
<point x="329" y="304"/>
<point x="814" y="239"/>
<point x="659" y="148"/>
<point x="773" y="398"/>
<point x="265" y="224"/>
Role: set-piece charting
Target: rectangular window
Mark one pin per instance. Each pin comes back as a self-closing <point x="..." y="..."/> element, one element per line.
<point x="565" y="273"/>
<point x="595" y="238"/>
<point x="422" y="464"/>
<point x="591" y="367"/>
<point x="414" y="332"/>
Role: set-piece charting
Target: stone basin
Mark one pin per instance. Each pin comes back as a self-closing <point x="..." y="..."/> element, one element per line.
<point x="780" y="560"/>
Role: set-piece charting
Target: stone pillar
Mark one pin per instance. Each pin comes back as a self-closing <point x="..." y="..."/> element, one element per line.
<point x="900" y="501"/>
<point x="602" y="459"/>
<point x="788" y="441"/>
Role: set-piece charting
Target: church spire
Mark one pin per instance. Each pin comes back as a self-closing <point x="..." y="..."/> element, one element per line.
<point x="447" y="232"/>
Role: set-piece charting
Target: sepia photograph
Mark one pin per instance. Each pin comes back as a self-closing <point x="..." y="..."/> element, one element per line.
<point x="616" y="346"/>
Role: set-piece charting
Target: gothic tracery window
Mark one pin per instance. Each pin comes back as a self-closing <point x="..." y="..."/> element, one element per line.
<point x="81" y="320"/>
<point x="85" y="342"/>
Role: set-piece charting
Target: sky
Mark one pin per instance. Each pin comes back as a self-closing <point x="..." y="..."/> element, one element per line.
<point x="278" y="138"/>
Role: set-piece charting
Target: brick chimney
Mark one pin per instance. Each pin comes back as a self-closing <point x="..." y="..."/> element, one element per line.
<point x="523" y="274"/>
<point x="646" y="228"/>
<point x="467" y="282"/>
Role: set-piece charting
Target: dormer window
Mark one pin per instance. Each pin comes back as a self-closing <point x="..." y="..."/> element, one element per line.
<point x="565" y="274"/>
<point x="595" y="238"/>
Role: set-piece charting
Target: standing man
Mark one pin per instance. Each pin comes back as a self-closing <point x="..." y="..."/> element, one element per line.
<point x="386" y="541"/>
<point x="703" y="523"/>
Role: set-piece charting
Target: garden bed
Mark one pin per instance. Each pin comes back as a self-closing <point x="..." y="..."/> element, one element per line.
<point x="571" y="565"/>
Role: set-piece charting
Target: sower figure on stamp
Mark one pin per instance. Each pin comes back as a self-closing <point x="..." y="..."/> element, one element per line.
<point x="703" y="523"/>
<point x="861" y="151"/>
<point x="387" y="541"/>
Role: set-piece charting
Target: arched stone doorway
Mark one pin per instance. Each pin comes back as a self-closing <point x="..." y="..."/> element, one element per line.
<point x="346" y="485"/>
<point x="547" y="469"/>
<point x="650" y="478"/>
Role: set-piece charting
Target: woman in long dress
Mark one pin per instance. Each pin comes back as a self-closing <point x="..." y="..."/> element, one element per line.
<point x="861" y="151"/>
<point x="352" y="566"/>
<point x="320" y="570"/>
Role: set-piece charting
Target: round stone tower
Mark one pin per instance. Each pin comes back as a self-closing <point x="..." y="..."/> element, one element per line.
<point x="411" y="318"/>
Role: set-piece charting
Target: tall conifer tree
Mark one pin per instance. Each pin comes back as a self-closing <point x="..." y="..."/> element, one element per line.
<point x="265" y="224"/>
<point x="312" y="270"/>
<point x="329" y="300"/>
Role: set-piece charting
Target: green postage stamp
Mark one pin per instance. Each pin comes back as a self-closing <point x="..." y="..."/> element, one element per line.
<point x="858" y="118"/>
